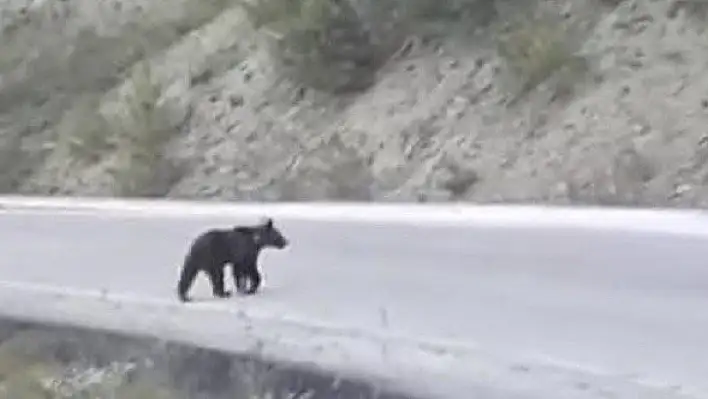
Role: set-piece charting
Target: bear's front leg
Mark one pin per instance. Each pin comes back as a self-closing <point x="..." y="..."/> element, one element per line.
<point x="247" y="280"/>
<point x="255" y="278"/>
<point x="241" y="281"/>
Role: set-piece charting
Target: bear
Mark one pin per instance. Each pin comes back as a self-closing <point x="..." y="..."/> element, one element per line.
<point x="239" y="246"/>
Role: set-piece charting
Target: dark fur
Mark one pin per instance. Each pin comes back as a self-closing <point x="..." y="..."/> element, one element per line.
<point x="239" y="246"/>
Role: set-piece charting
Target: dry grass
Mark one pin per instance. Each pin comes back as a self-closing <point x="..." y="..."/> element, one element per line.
<point x="40" y="381"/>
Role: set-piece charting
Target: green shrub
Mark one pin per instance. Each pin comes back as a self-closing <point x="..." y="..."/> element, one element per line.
<point x="446" y="17"/>
<point x="533" y="49"/>
<point x="322" y="44"/>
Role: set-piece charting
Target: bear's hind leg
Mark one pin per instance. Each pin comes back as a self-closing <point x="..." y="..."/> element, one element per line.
<point x="186" y="279"/>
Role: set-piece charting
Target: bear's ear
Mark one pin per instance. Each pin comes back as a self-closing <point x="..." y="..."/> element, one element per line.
<point x="268" y="222"/>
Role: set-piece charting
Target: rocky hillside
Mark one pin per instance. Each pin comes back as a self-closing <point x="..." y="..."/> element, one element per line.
<point x="585" y="101"/>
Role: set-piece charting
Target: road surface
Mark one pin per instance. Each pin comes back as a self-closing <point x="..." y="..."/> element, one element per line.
<point x="559" y="313"/>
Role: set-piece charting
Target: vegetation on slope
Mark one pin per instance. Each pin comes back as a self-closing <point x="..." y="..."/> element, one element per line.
<point x="418" y="100"/>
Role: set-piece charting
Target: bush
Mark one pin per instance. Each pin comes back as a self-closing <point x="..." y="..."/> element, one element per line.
<point x="322" y="44"/>
<point x="446" y="17"/>
<point x="534" y="48"/>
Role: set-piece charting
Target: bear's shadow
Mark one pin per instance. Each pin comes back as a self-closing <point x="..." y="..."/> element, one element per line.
<point x="207" y="298"/>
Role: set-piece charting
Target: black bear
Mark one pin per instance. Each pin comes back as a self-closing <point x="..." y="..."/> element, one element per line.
<point x="239" y="246"/>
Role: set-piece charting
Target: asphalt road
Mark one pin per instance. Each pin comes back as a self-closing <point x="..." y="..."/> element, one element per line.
<point x="631" y="307"/>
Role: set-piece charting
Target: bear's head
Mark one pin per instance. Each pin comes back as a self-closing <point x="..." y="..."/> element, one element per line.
<point x="267" y="235"/>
